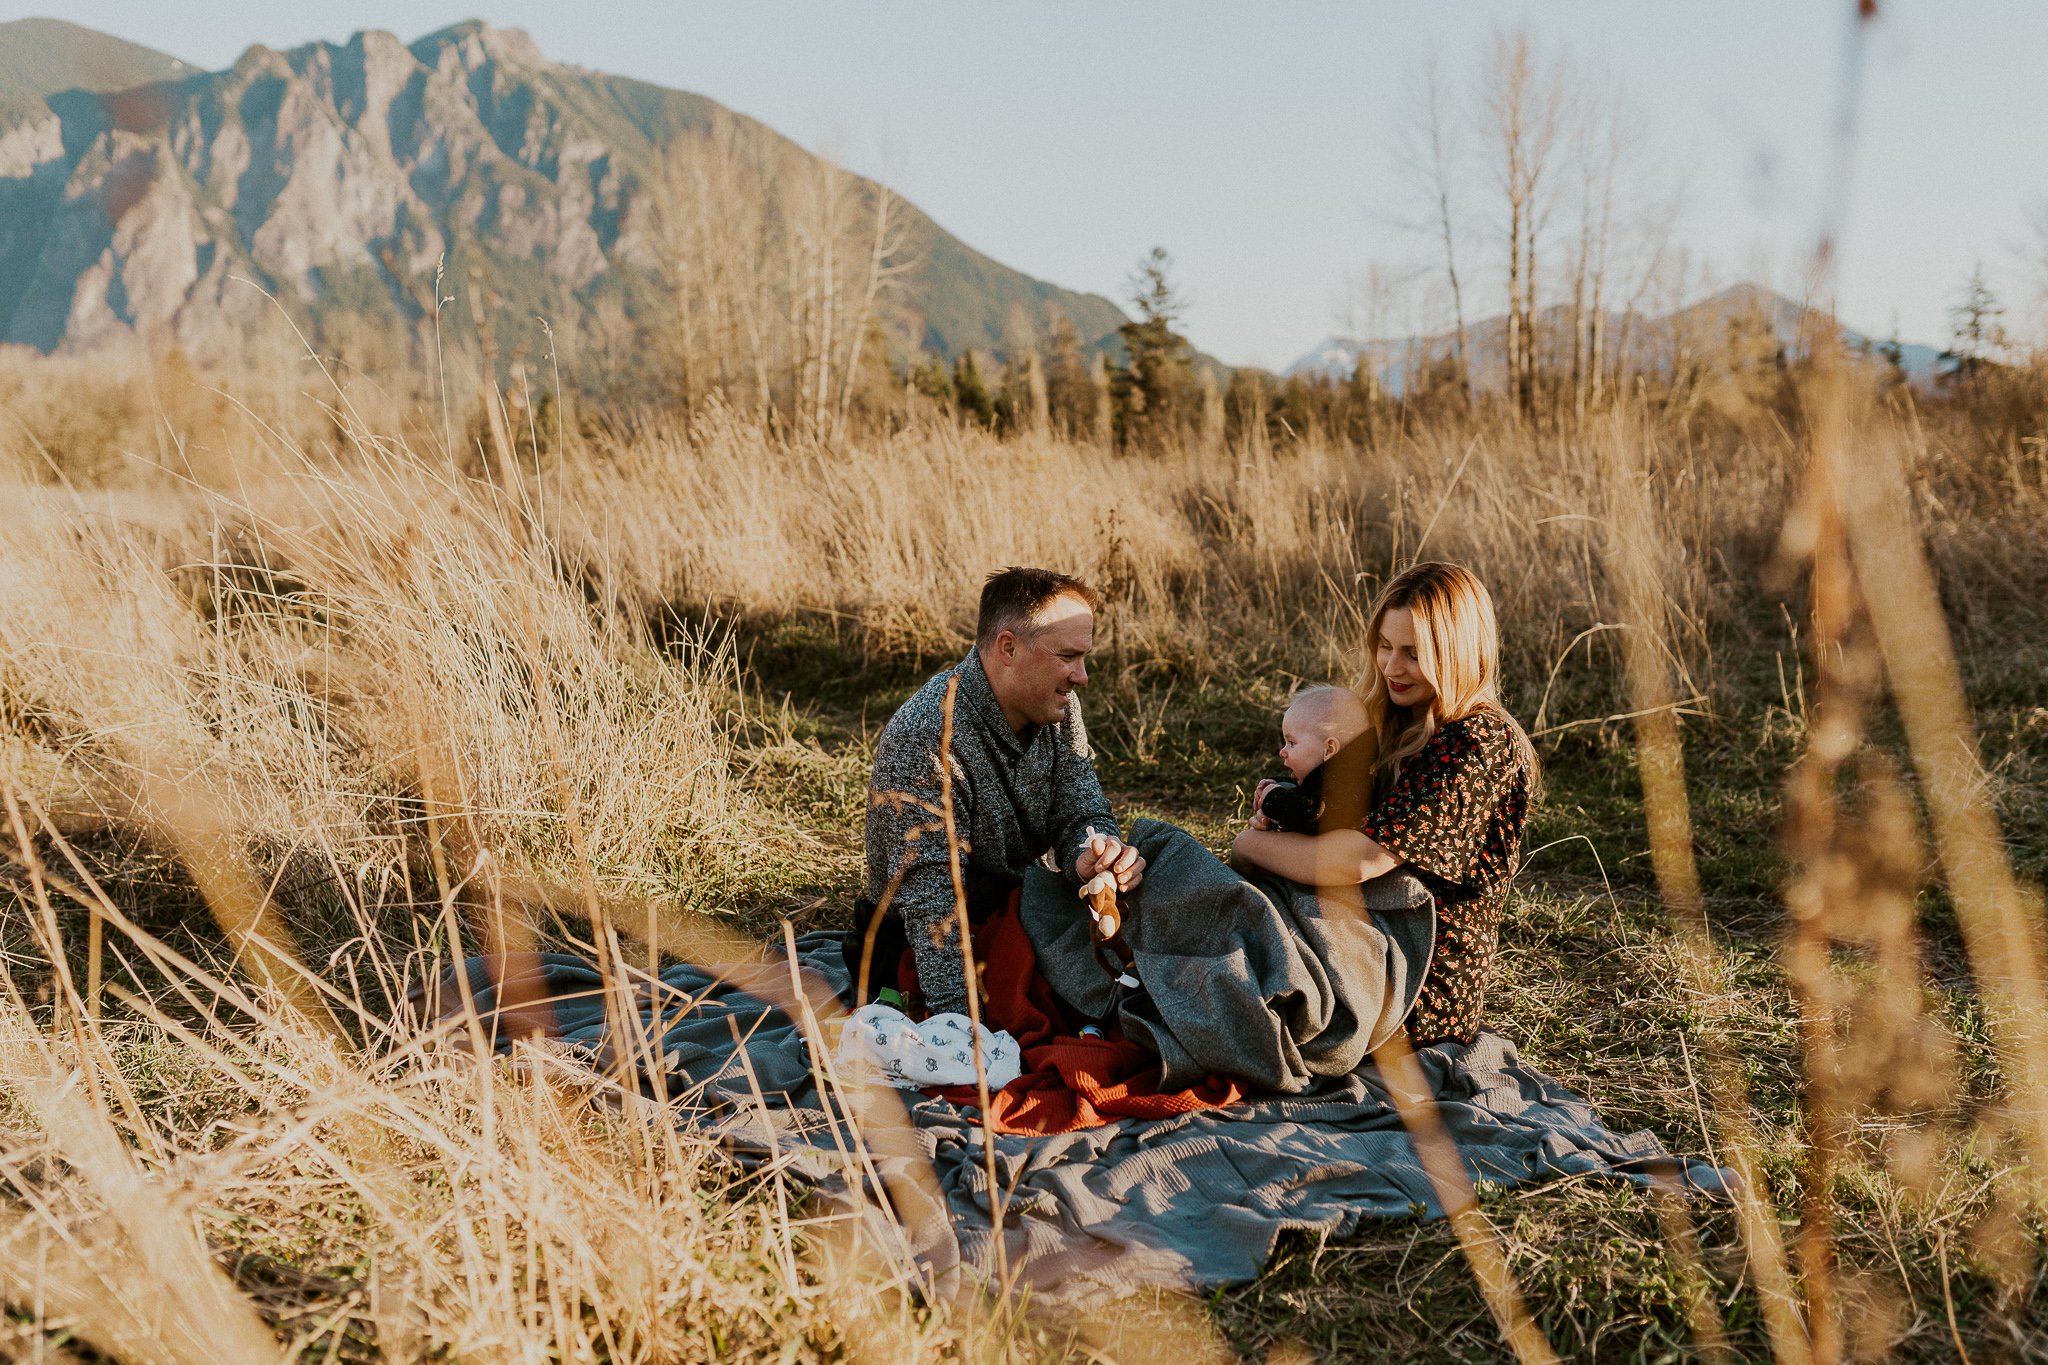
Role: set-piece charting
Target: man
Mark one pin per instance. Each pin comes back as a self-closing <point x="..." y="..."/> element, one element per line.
<point x="1023" y="779"/>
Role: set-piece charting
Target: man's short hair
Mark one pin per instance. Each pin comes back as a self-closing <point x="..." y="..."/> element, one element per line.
<point x="1011" y="599"/>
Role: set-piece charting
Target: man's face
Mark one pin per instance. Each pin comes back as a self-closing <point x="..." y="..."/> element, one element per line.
<point x="1034" y="670"/>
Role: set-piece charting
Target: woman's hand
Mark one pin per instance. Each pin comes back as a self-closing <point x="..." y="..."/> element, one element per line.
<point x="1240" y="860"/>
<point x="1250" y="843"/>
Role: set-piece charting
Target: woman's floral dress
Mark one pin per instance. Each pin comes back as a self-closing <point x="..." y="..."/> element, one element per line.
<point x="1454" y="816"/>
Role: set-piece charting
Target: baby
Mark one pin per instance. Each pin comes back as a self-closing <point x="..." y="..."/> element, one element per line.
<point x="1317" y="725"/>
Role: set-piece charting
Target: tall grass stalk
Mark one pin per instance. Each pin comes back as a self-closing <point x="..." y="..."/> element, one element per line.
<point x="297" y="716"/>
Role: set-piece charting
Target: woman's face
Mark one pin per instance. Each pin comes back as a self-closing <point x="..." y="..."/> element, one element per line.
<point x="1394" y="653"/>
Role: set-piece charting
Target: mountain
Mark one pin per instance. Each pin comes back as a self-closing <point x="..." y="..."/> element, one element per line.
<point x="41" y="57"/>
<point x="1761" y="317"/>
<point x="374" y="189"/>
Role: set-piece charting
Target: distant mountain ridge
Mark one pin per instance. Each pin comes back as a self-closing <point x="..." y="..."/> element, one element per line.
<point x="337" y="176"/>
<point x="42" y="57"/>
<point x="1704" y="323"/>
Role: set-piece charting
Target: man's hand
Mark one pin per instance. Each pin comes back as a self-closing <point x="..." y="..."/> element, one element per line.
<point x="1107" y="853"/>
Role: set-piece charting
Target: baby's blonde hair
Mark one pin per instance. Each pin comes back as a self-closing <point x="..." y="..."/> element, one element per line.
<point x="1335" y="712"/>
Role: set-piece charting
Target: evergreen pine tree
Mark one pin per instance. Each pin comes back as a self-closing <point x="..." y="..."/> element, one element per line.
<point x="971" y="393"/>
<point x="1975" y="332"/>
<point x="1155" y="390"/>
<point x="1892" y="352"/>
<point x="931" y="378"/>
<point x="1069" y="383"/>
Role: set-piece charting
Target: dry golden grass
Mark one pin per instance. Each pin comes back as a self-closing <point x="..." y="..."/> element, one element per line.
<point x="355" y="694"/>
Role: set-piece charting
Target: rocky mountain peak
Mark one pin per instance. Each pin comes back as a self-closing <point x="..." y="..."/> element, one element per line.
<point x="331" y="181"/>
<point x="472" y="44"/>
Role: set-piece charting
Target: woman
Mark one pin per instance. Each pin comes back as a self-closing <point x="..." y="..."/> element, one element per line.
<point x="1448" y="775"/>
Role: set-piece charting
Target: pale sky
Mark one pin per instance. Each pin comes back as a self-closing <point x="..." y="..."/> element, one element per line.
<point x="1258" y="142"/>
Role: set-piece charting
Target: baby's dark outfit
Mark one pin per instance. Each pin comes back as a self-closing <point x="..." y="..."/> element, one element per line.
<point x="1296" y="807"/>
<point x="1305" y="807"/>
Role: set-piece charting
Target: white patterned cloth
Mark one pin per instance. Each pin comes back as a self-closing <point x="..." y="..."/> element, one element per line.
<point x="881" y="1039"/>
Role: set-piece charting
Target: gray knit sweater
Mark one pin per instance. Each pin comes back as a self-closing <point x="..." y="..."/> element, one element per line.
<point x="1016" y="797"/>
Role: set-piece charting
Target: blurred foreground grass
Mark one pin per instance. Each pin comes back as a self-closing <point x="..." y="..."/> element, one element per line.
<point x="405" y="694"/>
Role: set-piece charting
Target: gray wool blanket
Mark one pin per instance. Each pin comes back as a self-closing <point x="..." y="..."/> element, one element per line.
<point x="1254" y="977"/>
<point x="1192" y="1202"/>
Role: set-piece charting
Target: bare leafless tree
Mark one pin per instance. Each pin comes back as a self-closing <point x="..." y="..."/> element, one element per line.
<point x="1370" y="311"/>
<point x="782" y="267"/>
<point x="890" y="258"/>
<point x="1657" y="259"/>
<point x="1524" y="105"/>
<point x="1431" y="160"/>
<point x="1604" y="134"/>
<point x="715" y="227"/>
<point x="1551" y="159"/>
<point x="2033" y="254"/>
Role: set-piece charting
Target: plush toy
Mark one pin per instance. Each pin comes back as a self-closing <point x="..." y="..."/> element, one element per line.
<point x="1106" y="922"/>
<point x="1099" y="893"/>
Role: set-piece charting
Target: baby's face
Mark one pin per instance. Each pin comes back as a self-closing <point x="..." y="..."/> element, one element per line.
<point x="1303" y="746"/>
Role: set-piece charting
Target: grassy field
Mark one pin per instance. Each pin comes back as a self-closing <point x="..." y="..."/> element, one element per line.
<point x="289" y="695"/>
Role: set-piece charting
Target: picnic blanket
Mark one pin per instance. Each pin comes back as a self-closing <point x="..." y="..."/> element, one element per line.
<point x="1068" y="1082"/>
<point x="1192" y="1200"/>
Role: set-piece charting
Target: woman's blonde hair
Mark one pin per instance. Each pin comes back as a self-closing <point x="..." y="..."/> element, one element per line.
<point x="1457" y="647"/>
